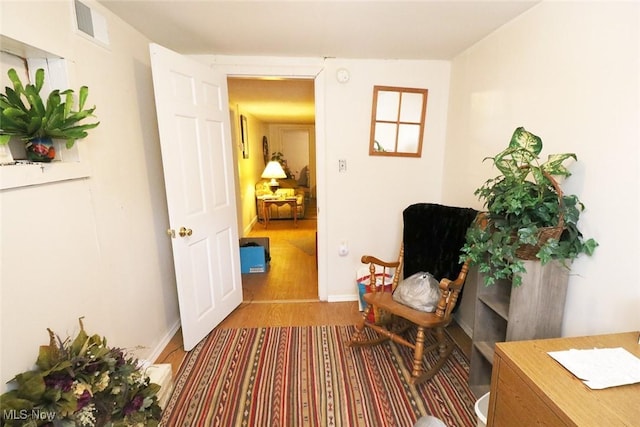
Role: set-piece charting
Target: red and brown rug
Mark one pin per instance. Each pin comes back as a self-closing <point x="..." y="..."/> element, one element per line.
<point x="309" y="376"/>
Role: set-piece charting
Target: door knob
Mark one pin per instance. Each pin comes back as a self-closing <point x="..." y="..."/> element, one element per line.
<point x="185" y="232"/>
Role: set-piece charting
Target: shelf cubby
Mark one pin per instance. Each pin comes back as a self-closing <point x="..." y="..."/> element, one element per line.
<point x="533" y="310"/>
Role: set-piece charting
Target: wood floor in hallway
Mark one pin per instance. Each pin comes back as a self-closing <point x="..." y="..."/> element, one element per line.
<point x="292" y="273"/>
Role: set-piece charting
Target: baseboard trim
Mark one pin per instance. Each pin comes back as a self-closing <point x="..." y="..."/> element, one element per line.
<point x="153" y="356"/>
<point x="466" y="328"/>
<point x="342" y="298"/>
<point x="249" y="227"/>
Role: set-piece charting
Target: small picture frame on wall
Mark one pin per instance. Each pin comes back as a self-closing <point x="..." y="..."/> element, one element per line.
<point x="244" y="132"/>
<point x="265" y="149"/>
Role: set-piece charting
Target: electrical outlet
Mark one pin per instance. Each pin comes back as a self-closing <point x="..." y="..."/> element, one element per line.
<point x="343" y="249"/>
<point x="342" y="165"/>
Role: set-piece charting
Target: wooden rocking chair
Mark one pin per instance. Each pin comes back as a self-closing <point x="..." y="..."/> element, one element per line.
<point x="432" y="238"/>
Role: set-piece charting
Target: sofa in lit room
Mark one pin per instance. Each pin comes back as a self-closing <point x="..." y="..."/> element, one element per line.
<point x="288" y="188"/>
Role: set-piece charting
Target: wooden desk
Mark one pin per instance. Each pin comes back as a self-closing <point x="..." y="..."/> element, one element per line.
<point x="266" y="211"/>
<point x="530" y="388"/>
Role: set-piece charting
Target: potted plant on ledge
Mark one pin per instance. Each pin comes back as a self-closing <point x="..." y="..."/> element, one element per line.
<point x="24" y="114"/>
<point x="528" y="216"/>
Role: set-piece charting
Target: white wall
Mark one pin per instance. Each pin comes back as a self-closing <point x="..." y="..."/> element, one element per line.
<point x="567" y="71"/>
<point x="363" y="206"/>
<point x="250" y="169"/>
<point x="93" y="247"/>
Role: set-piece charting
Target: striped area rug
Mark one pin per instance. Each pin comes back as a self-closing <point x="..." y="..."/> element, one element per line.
<point x="308" y="376"/>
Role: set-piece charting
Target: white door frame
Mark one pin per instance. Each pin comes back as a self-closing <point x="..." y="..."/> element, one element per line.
<point x="234" y="66"/>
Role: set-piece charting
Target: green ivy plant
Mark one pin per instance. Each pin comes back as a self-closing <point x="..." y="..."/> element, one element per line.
<point x="25" y="114"/>
<point x="522" y="201"/>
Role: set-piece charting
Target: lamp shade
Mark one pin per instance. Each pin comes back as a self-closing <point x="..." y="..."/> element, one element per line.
<point x="273" y="170"/>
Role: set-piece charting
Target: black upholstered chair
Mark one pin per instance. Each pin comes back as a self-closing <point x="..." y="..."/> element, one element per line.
<point x="432" y="238"/>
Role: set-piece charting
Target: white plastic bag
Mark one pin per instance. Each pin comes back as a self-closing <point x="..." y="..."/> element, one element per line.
<point x="420" y="291"/>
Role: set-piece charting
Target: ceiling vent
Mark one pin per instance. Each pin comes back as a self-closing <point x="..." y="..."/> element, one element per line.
<point x="91" y="23"/>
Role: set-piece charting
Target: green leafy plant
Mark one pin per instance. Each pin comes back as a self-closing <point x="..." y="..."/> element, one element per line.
<point x="81" y="382"/>
<point x="527" y="213"/>
<point x="279" y="157"/>
<point x="24" y="114"/>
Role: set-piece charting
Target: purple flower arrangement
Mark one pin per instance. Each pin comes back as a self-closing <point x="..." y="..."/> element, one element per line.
<point x="81" y="383"/>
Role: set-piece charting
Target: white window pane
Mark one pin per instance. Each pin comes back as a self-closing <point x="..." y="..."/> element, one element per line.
<point x="408" y="137"/>
<point x="385" y="136"/>
<point x="411" y="108"/>
<point x="388" y="104"/>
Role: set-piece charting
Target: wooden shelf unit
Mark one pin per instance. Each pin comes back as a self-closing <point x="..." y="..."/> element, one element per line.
<point x="533" y="310"/>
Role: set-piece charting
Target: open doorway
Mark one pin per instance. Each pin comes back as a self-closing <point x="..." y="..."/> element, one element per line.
<point x="276" y="121"/>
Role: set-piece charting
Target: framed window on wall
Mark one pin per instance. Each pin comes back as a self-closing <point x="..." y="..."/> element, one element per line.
<point x="397" y="121"/>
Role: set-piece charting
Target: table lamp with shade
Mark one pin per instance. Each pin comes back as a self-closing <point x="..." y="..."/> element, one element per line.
<point x="273" y="171"/>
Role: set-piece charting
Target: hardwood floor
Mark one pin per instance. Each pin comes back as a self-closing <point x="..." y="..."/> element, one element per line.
<point x="292" y="273"/>
<point x="287" y="294"/>
<point x="273" y="314"/>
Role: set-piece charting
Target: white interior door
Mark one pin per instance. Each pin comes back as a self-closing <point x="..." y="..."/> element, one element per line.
<point x="195" y="138"/>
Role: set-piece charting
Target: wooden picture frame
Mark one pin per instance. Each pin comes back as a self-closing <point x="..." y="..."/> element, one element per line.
<point x="397" y="121"/>
<point x="265" y="149"/>
<point x="244" y="133"/>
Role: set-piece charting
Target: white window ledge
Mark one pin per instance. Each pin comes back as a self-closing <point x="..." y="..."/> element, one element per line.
<point x="69" y="163"/>
<point x="25" y="174"/>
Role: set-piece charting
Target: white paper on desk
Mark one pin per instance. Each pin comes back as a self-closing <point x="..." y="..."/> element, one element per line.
<point x="601" y="367"/>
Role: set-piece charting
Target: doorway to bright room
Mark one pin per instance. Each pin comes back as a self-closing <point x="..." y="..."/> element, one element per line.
<point x="275" y="120"/>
